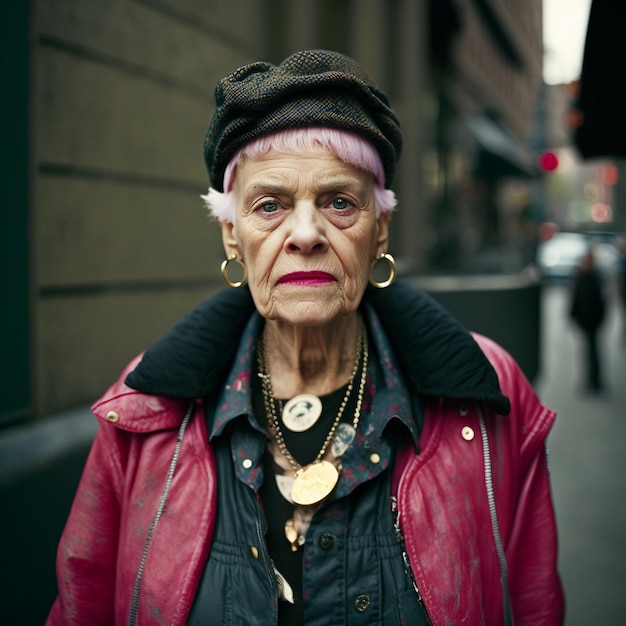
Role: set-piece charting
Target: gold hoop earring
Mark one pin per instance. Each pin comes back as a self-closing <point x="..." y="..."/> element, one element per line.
<point x="383" y="256"/>
<point x="224" y="270"/>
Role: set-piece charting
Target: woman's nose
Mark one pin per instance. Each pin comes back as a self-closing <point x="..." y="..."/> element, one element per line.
<point x="306" y="232"/>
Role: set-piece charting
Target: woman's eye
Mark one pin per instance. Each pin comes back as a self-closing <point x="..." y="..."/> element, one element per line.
<point x="269" y="207"/>
<point x="340" y="204"/>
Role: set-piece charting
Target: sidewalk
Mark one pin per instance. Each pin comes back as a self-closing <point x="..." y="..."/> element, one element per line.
<point x="588" y="462"/>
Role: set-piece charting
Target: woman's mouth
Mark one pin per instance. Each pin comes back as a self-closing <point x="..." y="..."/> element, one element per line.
<point x="306" y="278"/>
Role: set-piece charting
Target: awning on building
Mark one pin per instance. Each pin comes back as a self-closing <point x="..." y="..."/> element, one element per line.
<point x="602" y="131"/>
<point x="499" y="154"/>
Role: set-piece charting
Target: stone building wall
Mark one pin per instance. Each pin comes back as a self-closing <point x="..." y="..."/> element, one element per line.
<point x="121" y="93"/>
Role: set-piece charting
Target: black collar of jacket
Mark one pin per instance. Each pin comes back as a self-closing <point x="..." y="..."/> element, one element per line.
<point x="438" y="356"/>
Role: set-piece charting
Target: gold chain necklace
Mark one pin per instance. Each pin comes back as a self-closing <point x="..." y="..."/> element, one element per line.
<point x="315" y="482"/>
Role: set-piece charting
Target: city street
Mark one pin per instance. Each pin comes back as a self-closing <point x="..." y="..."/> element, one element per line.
<point x="588" y="461"/>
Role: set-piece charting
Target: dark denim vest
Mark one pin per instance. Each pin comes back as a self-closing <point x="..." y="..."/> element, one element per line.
<point x="356" y="577"/>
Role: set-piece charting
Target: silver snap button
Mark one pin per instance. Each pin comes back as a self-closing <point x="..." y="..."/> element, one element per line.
<point x="247" y="463"/>
<point x="467" y="433"/>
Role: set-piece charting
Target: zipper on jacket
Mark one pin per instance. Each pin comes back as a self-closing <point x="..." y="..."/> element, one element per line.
<point x="134" y="606"/>
<point x="405" y="557"/>
<point x="495" y="528"/>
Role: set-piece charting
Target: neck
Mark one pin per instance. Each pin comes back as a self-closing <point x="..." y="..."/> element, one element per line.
<point x="314" y="360"/>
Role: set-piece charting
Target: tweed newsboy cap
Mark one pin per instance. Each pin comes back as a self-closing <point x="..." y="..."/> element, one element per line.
<point x="309" y="88"/>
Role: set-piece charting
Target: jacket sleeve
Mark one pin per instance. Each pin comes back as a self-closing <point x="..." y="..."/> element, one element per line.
<point x="86" y="556"/>
<point x="524" y="500"/>
<point x="534" y="585"/>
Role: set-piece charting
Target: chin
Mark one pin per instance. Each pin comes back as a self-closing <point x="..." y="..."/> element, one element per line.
<point x="308" y="313"/>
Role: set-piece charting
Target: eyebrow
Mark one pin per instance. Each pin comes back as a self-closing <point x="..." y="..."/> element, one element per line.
<point x="332" y="184"/>
<point x="267" y="187"/>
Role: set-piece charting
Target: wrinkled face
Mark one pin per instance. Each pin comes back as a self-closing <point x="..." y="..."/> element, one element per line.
<point x="307" y="231"/>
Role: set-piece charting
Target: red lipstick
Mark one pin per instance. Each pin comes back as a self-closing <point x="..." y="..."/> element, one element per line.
<point x="306" y="278"/>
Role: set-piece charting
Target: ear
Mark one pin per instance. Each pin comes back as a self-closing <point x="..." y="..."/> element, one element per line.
<point x="382" y="232"/>
<point x="229" y="240"/>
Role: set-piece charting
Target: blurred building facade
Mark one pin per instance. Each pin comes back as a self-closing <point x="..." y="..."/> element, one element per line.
<point x="107" y="244"/>
<point x="581" y="123"/>
<point x="488" y="84"/>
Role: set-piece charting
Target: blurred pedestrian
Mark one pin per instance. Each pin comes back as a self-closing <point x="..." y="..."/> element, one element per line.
<point x="588" y="311"/>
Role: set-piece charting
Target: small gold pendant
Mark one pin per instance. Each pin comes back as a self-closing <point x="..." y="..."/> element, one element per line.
<point x="291" y="534"/>
<point x="314" y="483"/>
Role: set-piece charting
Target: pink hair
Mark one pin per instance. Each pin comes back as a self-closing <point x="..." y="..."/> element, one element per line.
<point x="347" y="146"/>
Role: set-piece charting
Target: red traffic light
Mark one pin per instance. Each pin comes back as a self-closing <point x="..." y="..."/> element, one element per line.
<point x="549" y="161"/>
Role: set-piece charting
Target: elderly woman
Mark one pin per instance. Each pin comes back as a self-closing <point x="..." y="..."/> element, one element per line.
<point x="307" y="448"/>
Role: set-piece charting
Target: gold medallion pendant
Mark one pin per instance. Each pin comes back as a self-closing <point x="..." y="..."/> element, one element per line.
<point x="314" y="483"/>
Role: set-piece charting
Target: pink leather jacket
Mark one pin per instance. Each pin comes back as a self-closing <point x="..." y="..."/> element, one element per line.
<point x="476" y="470"/>
<point x="457" y="570"/>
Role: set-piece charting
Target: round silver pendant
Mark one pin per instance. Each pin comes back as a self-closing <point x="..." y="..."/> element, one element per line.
<point x="344" y="436"/>
<point x="301" y="412"/>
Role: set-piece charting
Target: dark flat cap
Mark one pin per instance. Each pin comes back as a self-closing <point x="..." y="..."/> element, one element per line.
<point x="309" y="88"/>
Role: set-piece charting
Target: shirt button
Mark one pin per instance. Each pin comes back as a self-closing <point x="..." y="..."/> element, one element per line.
<point x="327" y="541"/>
<point x="467" y="433"/>
<point x="463" y="409"/>
<point x="362" y="602"/>
<point x="247" y="463"/>
<point x="375" y="458"/>
<point x="113" y="416"/>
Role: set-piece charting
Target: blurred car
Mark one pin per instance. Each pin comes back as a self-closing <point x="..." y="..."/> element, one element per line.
<point x="559" y="256"/>
<point x="601" y="236"/>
